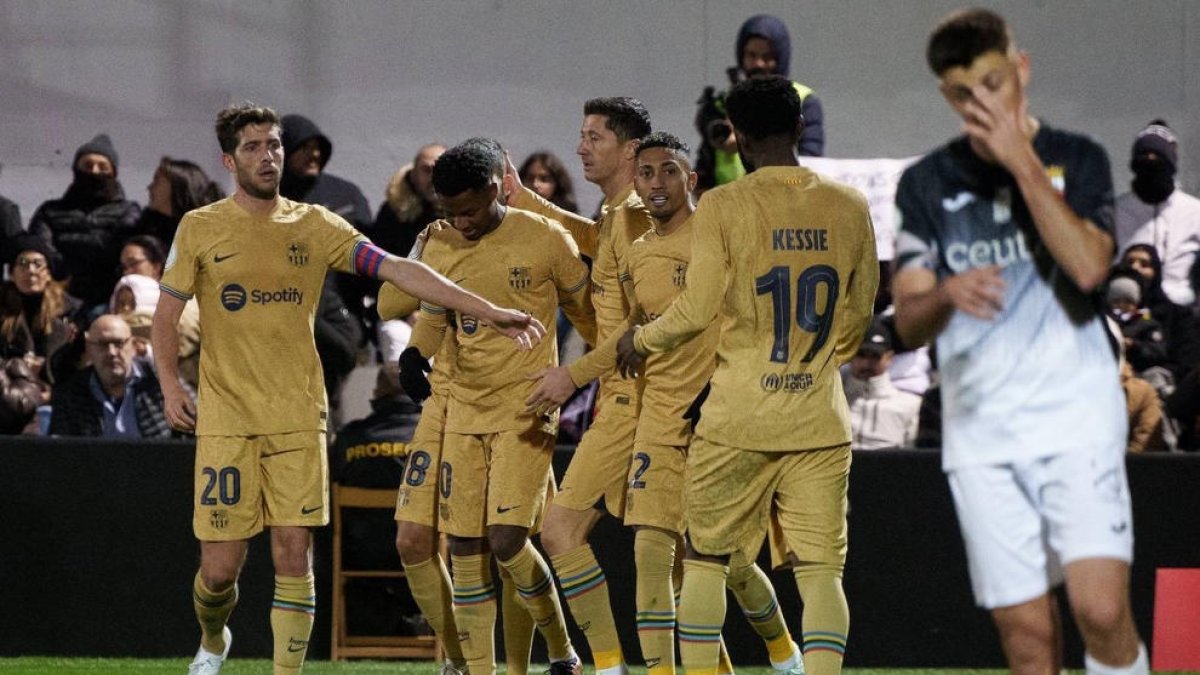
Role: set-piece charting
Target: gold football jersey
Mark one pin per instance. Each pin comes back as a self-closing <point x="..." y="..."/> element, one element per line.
<point x="787" y="259"/>
<point x="257" y="279"/>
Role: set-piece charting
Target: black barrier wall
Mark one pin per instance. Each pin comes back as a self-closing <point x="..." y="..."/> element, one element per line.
<point x="97" y="559"/>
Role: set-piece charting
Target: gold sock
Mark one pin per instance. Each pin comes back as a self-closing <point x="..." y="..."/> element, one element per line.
<point x="429" y="584"/>
<point x="518" y="627"/>
<point x="532" y="579"/>
<point x="654" y="558"/>
<point x="826" y="621"/>
<point x="724" y="664"/>
<point x="212" y="611"/>
<point x="475" y="611"/>
<point x="292" y="620"/>
<point x="756" y="596"/>
<point x="701" y="616"/>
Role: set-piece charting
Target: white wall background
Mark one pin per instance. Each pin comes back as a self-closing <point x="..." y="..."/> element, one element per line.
<point x="381" y="77"/>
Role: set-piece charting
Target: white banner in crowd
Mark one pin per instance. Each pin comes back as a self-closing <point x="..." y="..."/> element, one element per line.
<point x="877" y="180"/>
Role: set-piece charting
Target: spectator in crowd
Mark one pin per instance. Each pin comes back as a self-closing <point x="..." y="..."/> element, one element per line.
<point x="178" y="186"/>
<point x="410" y="205"/>
<point x="341" y="317"/>
<point x="1156" y="212"/>
<point x="116" y="396"/>
<point x="763" y="48"/>
<point x="1180" y="324"/>
<point x="20" y="394"/>
<point x="1145" y="413"/>
<point x="143" y="256"/>
<point x="90" y="223"/>
<point x="545" y="174"/>
<point x="38" y="318"/>
<point x="881" y="416"/>
<point x="134" y="293"/>
<point x="10" y="225"/>
<point x="1144" y="342"/>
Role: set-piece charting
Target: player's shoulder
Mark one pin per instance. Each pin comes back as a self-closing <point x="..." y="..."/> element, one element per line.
<point x="632" y="212"/>
<point x="831" y="188"/>
<point x="209" y="214"/>
<point x="535" y="225"/>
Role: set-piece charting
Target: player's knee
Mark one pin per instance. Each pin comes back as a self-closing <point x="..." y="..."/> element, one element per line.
<point x="218" y="578"/>
<point x="565" y="529"/>
<point x="506" y="541"/>
<point x="1102" y="614"/>
<point x="415" y="543"/>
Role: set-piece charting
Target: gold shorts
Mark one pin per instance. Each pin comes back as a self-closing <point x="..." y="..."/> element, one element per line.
<point x="493" y="479"/>
<point x="655" y="486"/>
<point x="246" y="483"/>
<point x="599" y="469"/>
<point x="417" y="500"/>
<point x="731" y="493"/>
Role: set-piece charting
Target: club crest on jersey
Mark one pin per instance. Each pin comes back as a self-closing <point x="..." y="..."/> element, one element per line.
<point x="219" y="519"/>
<point x="680" y="276"/>
<point x="297" y="254"/>
<point x="519" y="278"/>
<point x="1058" y="177"/>
<point x="469" y="324"/>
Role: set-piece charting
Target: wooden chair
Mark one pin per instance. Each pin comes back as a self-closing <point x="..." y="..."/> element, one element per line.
<point x="344" y="644"/>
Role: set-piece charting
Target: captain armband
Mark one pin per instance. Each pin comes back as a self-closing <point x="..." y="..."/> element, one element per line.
<point x="368" y="258"/>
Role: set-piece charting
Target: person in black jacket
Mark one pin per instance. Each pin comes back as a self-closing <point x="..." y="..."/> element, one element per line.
<point x="10" y="225"/>
<point x="90" y="223"/>
<point x="115" y="397"/>
<point x="178" y="186"/>
<point x="410" y="203"/>
<point x="342" y="319"/>
<point x="39" y="320"/>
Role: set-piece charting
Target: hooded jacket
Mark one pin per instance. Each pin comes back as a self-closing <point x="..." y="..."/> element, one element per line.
<point x="402" y="216"/>
<point x="336" y="194"/>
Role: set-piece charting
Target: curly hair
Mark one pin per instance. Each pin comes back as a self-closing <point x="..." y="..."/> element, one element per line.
<point x="233" y="118"/>
<point x="470" y="165"/>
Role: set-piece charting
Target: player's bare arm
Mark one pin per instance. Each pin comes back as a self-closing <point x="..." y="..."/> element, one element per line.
<point x="1080" y="248"/>
<point x="923" y="306"/>
<point x="164" y="335"/>
<point x="420" y="280"/>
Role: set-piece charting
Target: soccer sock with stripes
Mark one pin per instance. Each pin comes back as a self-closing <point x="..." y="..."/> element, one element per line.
<point x="701" y="616"/>
<point x="756" y="596"/>
<point x="532" y="578"/>
<point x="518" y="627"/>
<point x="826" y="621"/>
<point x="475" y="611"/>
<point x="429" y="584"/>
<point x="586" y="591"/>
<point x="212" y="611"/>
<point x="292" y="620"/>
<point x="654" y="558"/>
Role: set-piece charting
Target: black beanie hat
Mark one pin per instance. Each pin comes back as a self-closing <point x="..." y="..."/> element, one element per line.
<point x="1157" y="137"/>
<point x="100" y="145"/>
<point x="32" y="242"/>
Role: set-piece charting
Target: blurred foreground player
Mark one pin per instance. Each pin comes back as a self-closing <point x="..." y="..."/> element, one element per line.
<point x="255" y="263"/>
<point x="1005" y="238"/>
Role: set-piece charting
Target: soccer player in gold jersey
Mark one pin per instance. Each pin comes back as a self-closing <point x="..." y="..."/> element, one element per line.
<point x="495" y="456"/>
<point x="786" y="258"/>
<point x="595" y="481"/>
<point x="417" y="500"/>
<point x="255" y="263"/>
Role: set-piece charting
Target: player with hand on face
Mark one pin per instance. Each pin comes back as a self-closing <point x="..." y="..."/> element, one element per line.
<point x="1006" y="235"/>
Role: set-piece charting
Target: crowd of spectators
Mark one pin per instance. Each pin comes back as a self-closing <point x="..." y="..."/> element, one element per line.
<point x="81" y="284"/>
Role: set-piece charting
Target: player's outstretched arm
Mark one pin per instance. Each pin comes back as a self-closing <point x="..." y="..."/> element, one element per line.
<point x="421" y="281"/>
<point x="164" y="336"/>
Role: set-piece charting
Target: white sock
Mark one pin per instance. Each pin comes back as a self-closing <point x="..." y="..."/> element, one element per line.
<point x="1140" y="665"/>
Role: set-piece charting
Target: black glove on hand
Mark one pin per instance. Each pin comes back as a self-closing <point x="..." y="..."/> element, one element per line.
<point x="413" y="367"/>
<point x="693" y="412"/>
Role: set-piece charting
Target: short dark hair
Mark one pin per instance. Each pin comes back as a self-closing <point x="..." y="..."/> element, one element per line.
<point x="467" y="166"/>
<point x="564" y="189"/>
<point x="964" y="36"/>
<point x="761" y="107"/>
<point x="190" y="186"/>
<point x="233" y="118"/>
<point x="661" y="139"/>
<point x="494" y="149"/>
<point x="151" y="245"/>
<point x="627" y="117"/>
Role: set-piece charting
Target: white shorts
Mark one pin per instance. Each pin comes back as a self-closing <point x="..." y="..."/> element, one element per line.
<point x="1023" y="522"/>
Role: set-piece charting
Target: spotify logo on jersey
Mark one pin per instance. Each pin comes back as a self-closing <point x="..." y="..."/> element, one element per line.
<point x="233" y="297"/>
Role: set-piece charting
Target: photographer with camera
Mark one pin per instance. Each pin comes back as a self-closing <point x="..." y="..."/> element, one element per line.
<point x="763" y="49"/>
